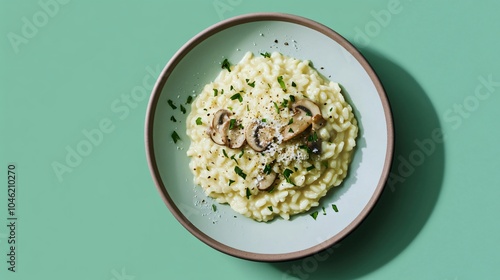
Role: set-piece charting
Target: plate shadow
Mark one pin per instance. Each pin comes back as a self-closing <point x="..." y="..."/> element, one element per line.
<point x="409" y="196"/>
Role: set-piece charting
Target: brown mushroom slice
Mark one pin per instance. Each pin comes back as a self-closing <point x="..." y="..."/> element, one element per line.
<point x="258" y="136"/>
<point x="318" y="122"/>
<point x="300" y="123"/>
<point x="308" y="106"/>
<point x="235" y="137"/>
<point x="267" y="181"/>
<point x="220" y="124"/>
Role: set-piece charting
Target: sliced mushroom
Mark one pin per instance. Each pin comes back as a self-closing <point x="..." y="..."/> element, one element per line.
<point x="308" y="106"/>
<point x="235" y="137"/>
<point x="306" y="113"/>
<point x="220" y="124"/>
<point x="300" y="122"/>
<point x="258" y="136"/>
<point x="267" y="181"/>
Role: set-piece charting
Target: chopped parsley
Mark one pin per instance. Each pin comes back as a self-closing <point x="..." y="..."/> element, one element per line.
<point x="325" y="163"/>
<point x="284" y="104"/>
<point x="232" y="123"/>
<point x="172" y="118"/>
<point x="270" y="208"/>
<point x="334" y="207"/>
<point x="252" y="84"/>
<point x="240" y="172"/>
<point x="267" y="169"/>
<point x="309" y="168"/>
<point x="324" y="211"/>
<point x="305" y="147"/>
<point x="242" y="152"/>
<point x="271" y="190"/>
<point x="290" y="130"/>
<point x="266" y="55"/>
<point x="292" y="98"/>
<point x="277" y="108"/>
<point x="313" y="137"/>
<point x="248" y="193"/>
<point x="183" y="110"/>
<point x="176" y="137"/>
<point x="171" y="103"/>
<point x="290" y="121"/>
<point x="226" y="65"/>
<point x="282" y="84"/>
<point x="214" y="207"/>
<point x="198" y="121"/>
<point x="224" y="153"/>
<point x="294" y="84"/>
<point x="237" y="96"/>
<point x="287" y="174"/>
<point x="314" y="214"/>
<point x="233" y="158"/>
<point x="232" y="87"/>
<point x="231" y="181"/>
<point x="189" y="100"/>
<point x="215" y="92"/>
<point x="222" y="91"/>
<point x="263" y="120"/>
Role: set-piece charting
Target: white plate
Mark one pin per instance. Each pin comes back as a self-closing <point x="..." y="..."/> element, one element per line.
<point x="198" y="63"/>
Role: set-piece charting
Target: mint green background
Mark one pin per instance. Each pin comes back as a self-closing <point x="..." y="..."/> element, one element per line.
<point x="106" y="218"/>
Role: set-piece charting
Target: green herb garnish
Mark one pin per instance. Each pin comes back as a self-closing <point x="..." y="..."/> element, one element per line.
<point x="267" y="169"/>
<point x="290" y="121"/>
<point x="242" y="152"/>
<point x="287" y="174"/>
<point x="309" y="168"/>
<point x="240" y="172"/>
<point x="215" y="92"/>
<point x="231" y="87"/>
<point x="266" y="55"/>
<point x="248" y="193"/>
<point x="198" y="121"/>
<point x="237" y="96"/>
<point x="290" y="130"/>
<point x="270" y="208"/>
<point x="282" y="84"/>
<point x="313" y="137"/>
<point x="232" y="123"/>
<point x="324" y="211"/>
<point x="171" y="103"/>
<point x="292" y="98"/>
<point x="335" y="208"/>
<point x="276" y="107"/>
<point x="294" y="84"/>
<point x="176" y="137"/>
<point x="233" y="158"/>
<point x="214" y="207"/>
<point x="252" y="84"/>
<point x="284" y="104"/>
<point x="325" y="163"/>
<point x="314" y="214"/>
<point x="305" y="147"/>
<point x="226" y="65"/>
<point x="183" y="110"/>
<point x="263" y="120"/>
<point x="172" y="118"/>
<point x="189" y="100"/>
<point x="224" y="153"/>
<point x="230" y="182"/>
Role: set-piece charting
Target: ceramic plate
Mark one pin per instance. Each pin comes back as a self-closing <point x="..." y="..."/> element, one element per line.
<point x="198" y="63"/>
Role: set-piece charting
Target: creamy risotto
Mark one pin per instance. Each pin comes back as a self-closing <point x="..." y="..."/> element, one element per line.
<point x="270" y="136"/>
